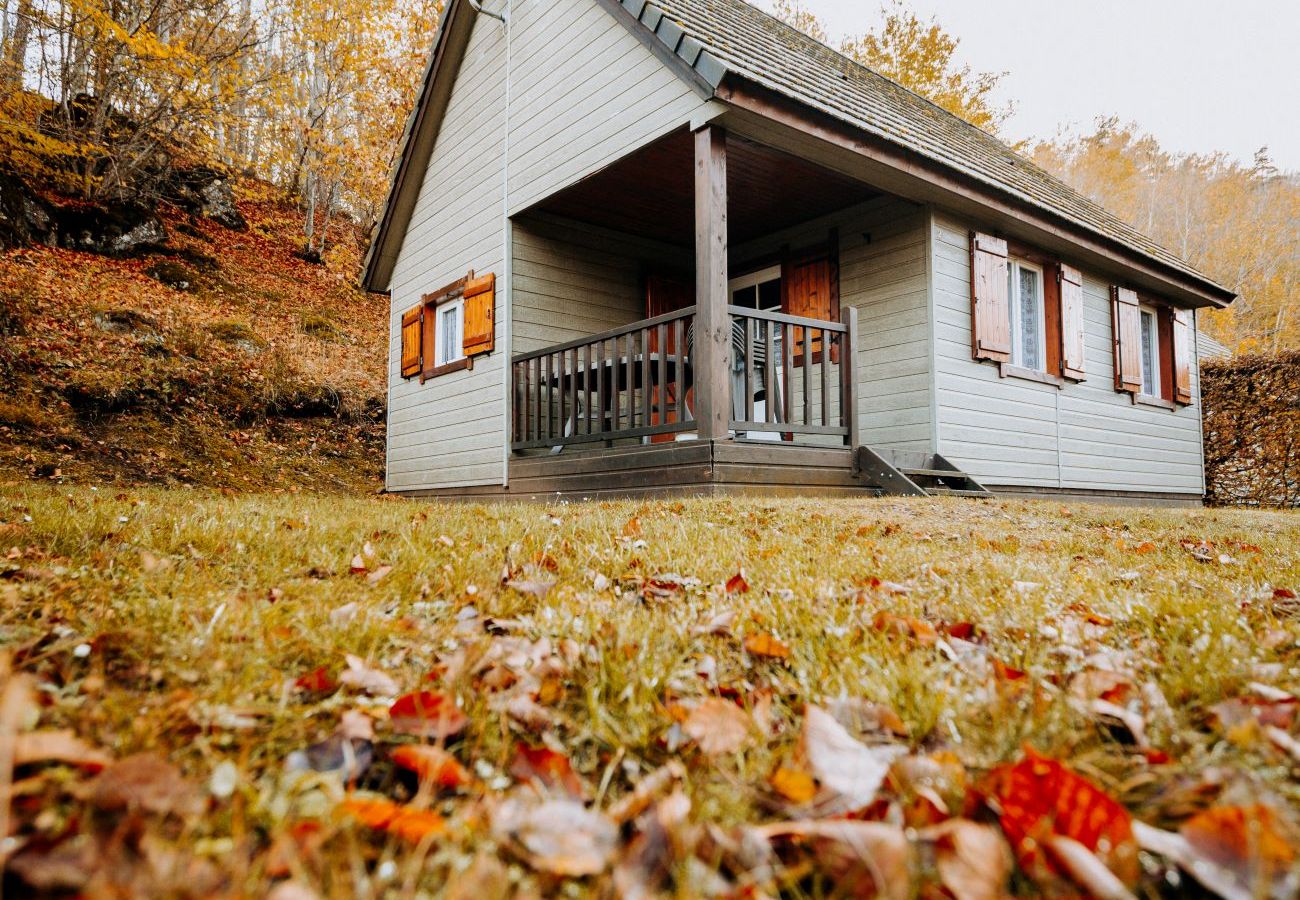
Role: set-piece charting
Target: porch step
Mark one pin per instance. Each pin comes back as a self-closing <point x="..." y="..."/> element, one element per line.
<point x="914" y="473"/>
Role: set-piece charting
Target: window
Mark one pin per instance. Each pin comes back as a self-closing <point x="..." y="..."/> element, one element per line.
<point x="1150" y="331"/>
<point x="450" y="333"/>
<point x="1025" y="302"/>
<point x="758" y="290"/>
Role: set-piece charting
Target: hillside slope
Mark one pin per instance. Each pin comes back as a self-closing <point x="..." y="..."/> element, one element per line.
<point x="219" y="358"/>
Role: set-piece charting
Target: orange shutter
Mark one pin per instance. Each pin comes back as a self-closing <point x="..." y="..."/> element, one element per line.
<point x="1071" y="323"/>
<point x="810" y="288"/>
<point x="480" y="301"/>
<point x="428" y="338"/>
<point x="1182" y="358"/>
<point x="411" y="342"/>
<point x="990" y="309"/>
<point x="1126" y="332"/>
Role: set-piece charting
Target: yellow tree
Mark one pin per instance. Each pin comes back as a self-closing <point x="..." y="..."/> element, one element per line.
<point x="918" y="54"/>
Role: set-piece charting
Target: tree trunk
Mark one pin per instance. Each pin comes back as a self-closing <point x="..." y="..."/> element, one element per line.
<point x="14" y="64"/>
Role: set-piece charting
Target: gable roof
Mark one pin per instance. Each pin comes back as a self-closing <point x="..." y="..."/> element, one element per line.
<point x="710" y="41"/>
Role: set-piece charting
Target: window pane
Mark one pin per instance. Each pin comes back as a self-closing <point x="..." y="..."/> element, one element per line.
<point x="769" y="294"/>
<point x="743" y="297"/>
<point x="1148" y="355"/>
<point x="1030" y="319"/>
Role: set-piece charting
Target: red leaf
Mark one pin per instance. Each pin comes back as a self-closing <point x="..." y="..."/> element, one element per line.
<point x="428" y="714"/>
<point x="551" y="769"/>
<point x="317" y="681"/>
<point x="1041" y="797"/>
<point x="737" y="584"/>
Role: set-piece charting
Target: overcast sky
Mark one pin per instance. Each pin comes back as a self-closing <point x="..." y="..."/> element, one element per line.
<point x="1199" y="75"/>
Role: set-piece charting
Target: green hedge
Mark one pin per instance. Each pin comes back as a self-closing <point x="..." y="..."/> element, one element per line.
<point x="1252" y="429"/>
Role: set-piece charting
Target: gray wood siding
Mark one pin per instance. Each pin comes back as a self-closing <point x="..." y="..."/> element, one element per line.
<point x="883" y="262"/>
<point x="584" y="92"/>
<point x="572" y="280"/>
<point x="1009" y="431"/>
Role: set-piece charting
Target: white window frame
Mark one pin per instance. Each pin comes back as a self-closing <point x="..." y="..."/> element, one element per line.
<point x="1152" y="344"/>
<point x="1013" y="307"/>
<point x="456" y="306"/>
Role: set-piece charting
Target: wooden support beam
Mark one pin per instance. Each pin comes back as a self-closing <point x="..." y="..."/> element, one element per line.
<point x="712" y="351"/>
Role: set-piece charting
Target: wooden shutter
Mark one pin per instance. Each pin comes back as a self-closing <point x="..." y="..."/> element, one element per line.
<point x="1182" y="357"/>
<point x="1072" y="340"/>
<point x="990" y="306"/>
<point x="479" y="328"/>
<point x="411" y="342"/>
<point x="810" y="288"/>
<point x="428" y="338"/>
<point x="1126" y="333"/>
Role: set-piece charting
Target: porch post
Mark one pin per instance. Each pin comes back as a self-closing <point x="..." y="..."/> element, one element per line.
<point x="712" y="348"/>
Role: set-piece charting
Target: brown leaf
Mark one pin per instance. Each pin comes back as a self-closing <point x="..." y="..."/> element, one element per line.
<point x="145" y="782"/>
<point x="534" y="587"/>
<point x="718" y="726"/>
<point x="864" y="858"/>
<point x="559" y="836"/>
<point x="973" y="860"/>
<point x="57" y="746"/>
<point x="372" y="681"/>
<point x="1085" y="869"/>
<point x="719" y="624"/>
<point x="485" y="879"/>
<point x="635" y="803"/>
<point x="850" y="772"/>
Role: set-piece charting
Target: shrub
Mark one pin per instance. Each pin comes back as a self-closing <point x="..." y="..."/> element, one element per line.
<point x="1251" y="408"/>
<point x="319" y="327"/>
<point x="233" y="331"/>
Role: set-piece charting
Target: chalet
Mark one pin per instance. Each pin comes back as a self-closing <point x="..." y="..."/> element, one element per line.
<point x="679" y="247"/>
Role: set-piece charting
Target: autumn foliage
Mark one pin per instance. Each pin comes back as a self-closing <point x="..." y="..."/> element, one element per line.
<point x="1252" y="429"/>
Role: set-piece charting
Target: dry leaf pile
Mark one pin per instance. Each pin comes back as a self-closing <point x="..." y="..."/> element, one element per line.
<point x="713" y="698"/>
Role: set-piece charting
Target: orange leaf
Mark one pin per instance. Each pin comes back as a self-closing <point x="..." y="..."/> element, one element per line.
<point x="737" y="584"/>
<point x="428" y="714"/>
<point x="1243" y="839"/>
<point x="551" y="769"/>
<point x="795" y="785"/>
<point x="760" y="643"/>
<point x="412" y="825"/>
<point x="432" y="764"/>
<point x="633" y="527"/>
<point x="1041" y="797"/>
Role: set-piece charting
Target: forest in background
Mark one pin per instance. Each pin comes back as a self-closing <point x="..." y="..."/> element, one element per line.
<point x="100" y="99"/>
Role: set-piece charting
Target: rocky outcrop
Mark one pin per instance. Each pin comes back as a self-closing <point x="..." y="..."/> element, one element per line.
<point x="118" y="229"/>
<point x="206" y="192"/>
<point x="24" y="218"/>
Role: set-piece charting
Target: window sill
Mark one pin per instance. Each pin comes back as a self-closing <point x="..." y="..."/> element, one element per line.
<point x="1006" y="370"/>
<point x="1158" y="402"/>
<point x="447" y="368"/>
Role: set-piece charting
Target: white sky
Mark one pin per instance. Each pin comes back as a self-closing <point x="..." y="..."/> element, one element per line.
<point x="1199" y="75"/>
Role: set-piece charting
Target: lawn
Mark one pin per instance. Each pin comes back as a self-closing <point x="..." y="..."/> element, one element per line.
<point x="216" y="693"/>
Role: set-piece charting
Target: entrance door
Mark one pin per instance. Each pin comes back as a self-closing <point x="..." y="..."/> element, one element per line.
<point x="760" y="289"/>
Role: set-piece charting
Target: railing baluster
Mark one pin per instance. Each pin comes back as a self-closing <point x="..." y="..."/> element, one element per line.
<point x="647" y="377"/>
<point x="629" y="360"/>
<point x="679" y="379"/>
<point x="573" y="388"/>
<point x="600" y="387"/>
<point x="769" y="373"/>
<point x="748" y="406"/>
<point x="806" y="347"/>
<point x="661" y="389"/>
<point x="826" y="377"/>
<point x="787" y="370"/>
<point x="586" y="387"/>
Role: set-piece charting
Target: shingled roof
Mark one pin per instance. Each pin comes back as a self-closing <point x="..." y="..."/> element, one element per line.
<point x="717" y="38"/>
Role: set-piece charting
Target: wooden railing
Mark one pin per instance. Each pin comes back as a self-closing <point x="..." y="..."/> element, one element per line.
<point x="790" y="376"/>
<point x="628" y="382"/>
<point x="799" y="377"/>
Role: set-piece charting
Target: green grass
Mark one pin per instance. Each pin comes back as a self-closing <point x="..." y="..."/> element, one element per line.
<point x="198" y="603"/>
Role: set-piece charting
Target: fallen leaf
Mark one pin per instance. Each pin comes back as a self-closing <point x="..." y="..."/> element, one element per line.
<point x="719" y="624"/>
<point x="632" y="528"/>
<point x="378" y="575"/>
<point x="372" y="681"/>
<point x="793" y="784"/>
<point x="358" y="566"/>
<point x="317" y="681"/>
<point x="1238" y="853"/>
<point x="973" y="860"/>
<point x="636" y="802"/>
<point x="737" y="584"/>
<point x="485" y="879"/>
<point x="146" y="782"/>
<point x="428" y="714"/>
<point x="58" y="747"/>
<point x="547" y="768"/>
<point x="760" y="643"/>
<point x="847" y="769"/>
<point x="559" y="836"/>
<point x="1085" y="869"/>
<point x="718" y="726"/>
<point x="408" y="823"/>
<point x="865" y="859"/>
<point x="532" y="586"/>
<point x="344" y="615"/>
<point x="433" y="765"/>
<point x="1040" y="797"/>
